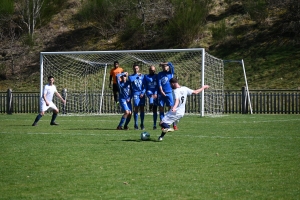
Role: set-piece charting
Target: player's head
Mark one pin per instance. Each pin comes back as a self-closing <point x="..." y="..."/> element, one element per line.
<point x="152" y="69"/>
<point x="165" y="67"/>
<point x="116" y="64"/>
<point x="123" y="78"/>
<point x="51" y="79"/>
<point x="174" y="83"/>
<point x="136" y="68"/>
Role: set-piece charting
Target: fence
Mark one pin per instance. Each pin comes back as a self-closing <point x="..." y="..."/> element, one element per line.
<point x="235" y="102"/>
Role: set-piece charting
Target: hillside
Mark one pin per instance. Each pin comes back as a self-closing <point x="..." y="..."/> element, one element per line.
<point x="269" y="48"/>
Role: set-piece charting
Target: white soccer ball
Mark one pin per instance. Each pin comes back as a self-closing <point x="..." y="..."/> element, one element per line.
<point x="145" y="136"/>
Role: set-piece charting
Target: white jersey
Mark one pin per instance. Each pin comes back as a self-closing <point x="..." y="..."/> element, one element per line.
<point x="49" y="90"/>
<point x="181" y="94"/>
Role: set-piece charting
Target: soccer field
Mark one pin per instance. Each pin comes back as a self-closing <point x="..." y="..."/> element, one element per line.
<point x="230" y="157"/>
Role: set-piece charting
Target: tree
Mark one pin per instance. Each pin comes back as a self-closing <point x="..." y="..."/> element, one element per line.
<point x="30" y="12"/>
<point x="9" y="30"/>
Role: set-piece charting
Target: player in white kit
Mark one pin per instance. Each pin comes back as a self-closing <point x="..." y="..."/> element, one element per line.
<point x="46" y="102"/>
<point x="178" y="110"/>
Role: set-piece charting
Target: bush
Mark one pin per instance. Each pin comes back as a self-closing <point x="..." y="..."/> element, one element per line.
<point x="188" y="19"/>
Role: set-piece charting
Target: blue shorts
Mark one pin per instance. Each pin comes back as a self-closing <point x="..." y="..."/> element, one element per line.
<point x="137" y="101"/>
<point x="149" y="94"/>
<point x="125" y="105"/>
<point x="165" y="100"/>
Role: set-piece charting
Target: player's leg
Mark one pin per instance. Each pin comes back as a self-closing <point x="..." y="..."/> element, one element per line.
<point x="128" y="116"/>
<point x="55" y="113"/>
<point x="136" y="102"/>
<point x="142" y="111"/>
<point x="38" y="117"/>
<point x="169" y="118"/>
<point x="169" y="103"/>
<point x="150" y="96"/>
<point x="125" y="109"/>
<point x="115" y="93"/>
<point x="154" y="116"/>
<point x="155" y="106"/>
<point x="43" y="109"/>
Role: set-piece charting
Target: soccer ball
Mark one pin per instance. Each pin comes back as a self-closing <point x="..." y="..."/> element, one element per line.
<point x="145" y="136"/>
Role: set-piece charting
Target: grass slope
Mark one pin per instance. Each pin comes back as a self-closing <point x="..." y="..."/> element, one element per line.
<point x="231" y="157"/>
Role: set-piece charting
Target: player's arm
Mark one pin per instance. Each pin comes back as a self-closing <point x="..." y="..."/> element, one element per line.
<point x="175" y="105"/>
<point x="143" y="87"/>
<point x="200" y="89"/>
<point x="44" y="97"/>
<point x="60" y="97"/>
<point x="172" y="70"/>
<point x="161" y="91"/>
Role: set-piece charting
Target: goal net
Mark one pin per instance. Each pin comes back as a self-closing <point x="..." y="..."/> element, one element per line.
<point x="83" y="77"/>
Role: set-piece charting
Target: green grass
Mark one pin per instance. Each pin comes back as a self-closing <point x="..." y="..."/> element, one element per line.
<point x="231" y="157"/>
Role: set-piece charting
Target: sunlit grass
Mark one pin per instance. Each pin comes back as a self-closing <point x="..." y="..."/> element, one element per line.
<point x="230" y="157"/>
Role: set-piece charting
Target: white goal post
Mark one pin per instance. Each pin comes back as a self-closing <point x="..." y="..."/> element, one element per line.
<point x="84" y="76"/>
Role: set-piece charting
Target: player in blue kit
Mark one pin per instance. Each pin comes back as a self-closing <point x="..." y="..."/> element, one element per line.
<point x="138" y="93"/>
<point x="150" y="82"/>
<point x="124" y="99"/>
<point x="165" y="96"/>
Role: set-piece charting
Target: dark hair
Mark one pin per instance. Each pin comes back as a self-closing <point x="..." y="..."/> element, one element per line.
<point x="135" y="64"/>
<point x="173" y="80"/>
<point x="116" y="62"/>
<point x="49" y="77"/>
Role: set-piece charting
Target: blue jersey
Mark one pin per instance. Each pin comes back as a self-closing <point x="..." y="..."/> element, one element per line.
<point x="137" y="84"/>
<point x="124" y="88"/>
<point x="164" y="79"/>
<point x="150" y="82"/>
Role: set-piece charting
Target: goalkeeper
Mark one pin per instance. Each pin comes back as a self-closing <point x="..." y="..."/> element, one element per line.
<point x="113" y="77"/>
<point x="178" y="110"/>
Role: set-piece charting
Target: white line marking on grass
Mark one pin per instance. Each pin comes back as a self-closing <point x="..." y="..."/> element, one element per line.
<point x="265" y="121"/>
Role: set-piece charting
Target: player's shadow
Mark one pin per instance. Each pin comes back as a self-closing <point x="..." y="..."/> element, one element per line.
<point x="90" y="129"/>
<point x="139" y="140"/>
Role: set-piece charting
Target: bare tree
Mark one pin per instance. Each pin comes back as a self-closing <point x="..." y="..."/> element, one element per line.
<point x="30" y="12"/>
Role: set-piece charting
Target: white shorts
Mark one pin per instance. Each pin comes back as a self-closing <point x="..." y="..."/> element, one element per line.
<point x="171" y="117"/>
<point x="44" y="107"/>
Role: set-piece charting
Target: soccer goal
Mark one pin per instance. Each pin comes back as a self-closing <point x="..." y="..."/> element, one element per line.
<point x="83" y="77"/>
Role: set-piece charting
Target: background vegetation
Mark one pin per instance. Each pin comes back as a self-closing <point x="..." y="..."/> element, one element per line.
<point x="262" y="32"/>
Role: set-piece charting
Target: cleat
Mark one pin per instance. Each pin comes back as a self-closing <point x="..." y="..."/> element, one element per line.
<point x="175" y="128"/>
<point x="160" y="138"/>
<point x="53" y="123"/>
<point x="119" y="128"/>
<point x="136" y="127"/>
<point x="154" y="127"/>
<point x="126" y="128"/>
<point x="34" y="124"/>
<point x="168" y="130"/>
<point x="142" y="127"/>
